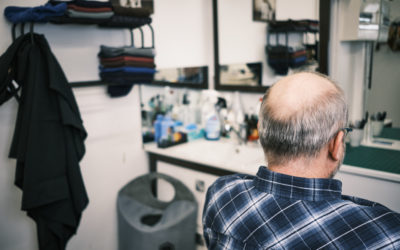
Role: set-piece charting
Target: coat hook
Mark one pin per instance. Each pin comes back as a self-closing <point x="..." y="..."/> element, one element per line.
<point x="141" y="32"/>
<point x="152" y="35"/>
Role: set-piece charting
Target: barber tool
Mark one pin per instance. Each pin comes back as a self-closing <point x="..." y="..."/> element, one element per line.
<point x="380" y="116"/>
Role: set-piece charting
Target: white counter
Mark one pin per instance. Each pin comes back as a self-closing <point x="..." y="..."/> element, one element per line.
<point x="379" y="186"/>
<point x="240" y="158"/>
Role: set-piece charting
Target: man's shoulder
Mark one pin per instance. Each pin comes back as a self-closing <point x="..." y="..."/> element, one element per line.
<point x="222" y="191"/>
<point x="370" y="210"/>
<point x="228" y="182"/>
<point x="364" y="203"/>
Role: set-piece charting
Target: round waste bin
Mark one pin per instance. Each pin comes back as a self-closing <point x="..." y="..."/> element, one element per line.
<point x="144" y="222"/>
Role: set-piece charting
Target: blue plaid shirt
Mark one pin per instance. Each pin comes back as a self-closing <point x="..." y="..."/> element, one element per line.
<point x="277" y="211"/>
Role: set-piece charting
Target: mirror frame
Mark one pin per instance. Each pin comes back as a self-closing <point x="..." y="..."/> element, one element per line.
<point x="324" y="21"/>
<point x="202" y="85"/>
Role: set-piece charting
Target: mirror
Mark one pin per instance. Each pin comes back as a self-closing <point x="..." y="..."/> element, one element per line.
<point x="384" y="88"/>
<point x="180" y="42"/>
<point x="250" y="48"/>
<point x="192" y="77"/>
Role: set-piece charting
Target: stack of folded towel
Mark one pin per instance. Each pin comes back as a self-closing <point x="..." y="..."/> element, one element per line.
<point x="298" y="56"/>
<point x="85" y="12"/>
<point x="89" y="9"/>
<point x="126" y="66"/>
<point x="280" y="58"/>
<point x="105" y="14"/>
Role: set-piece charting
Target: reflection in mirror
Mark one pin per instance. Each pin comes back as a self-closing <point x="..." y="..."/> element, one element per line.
<point x="287" y="44"/>
<point x="181" y="42"/>
<point x="384" y="89"/>
<point x="264" y="10"/>
<point x="187" y="75"/>
<point x="298" y="51"/>
<point x="248" y="74"/>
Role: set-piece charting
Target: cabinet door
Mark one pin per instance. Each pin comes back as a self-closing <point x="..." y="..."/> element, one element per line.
<point x="379" y="190"/>
<point x="197" y="182"/>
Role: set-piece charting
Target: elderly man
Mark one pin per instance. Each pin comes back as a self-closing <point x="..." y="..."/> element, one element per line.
<point x="293" y="203"/>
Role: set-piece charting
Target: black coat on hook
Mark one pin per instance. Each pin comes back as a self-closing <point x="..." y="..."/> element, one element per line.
<point x="48" y="140"/>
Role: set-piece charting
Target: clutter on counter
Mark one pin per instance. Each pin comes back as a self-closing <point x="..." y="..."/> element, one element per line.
<point x="175" y="117"/>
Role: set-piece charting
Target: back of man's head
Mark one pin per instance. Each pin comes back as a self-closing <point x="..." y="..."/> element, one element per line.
<point x="299" y="115"/>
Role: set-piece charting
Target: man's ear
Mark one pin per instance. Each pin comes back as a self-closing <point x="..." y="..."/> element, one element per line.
<point x="335" y="145"/>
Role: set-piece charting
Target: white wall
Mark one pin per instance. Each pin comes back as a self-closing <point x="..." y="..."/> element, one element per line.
<point x="114" y="152"/>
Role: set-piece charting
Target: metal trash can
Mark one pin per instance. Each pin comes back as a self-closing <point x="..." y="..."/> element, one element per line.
<point x="146" y="223"/>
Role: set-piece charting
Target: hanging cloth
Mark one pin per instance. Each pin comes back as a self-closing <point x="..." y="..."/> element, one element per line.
<point x="48" y="140"/>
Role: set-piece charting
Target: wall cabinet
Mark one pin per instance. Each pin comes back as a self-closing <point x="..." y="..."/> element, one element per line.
<point x="197" y="182"/>
<point x="195" y="176"/>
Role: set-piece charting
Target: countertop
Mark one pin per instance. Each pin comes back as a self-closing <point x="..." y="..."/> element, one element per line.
<point x="225" y="154"/>
<point x="221" y="154"/>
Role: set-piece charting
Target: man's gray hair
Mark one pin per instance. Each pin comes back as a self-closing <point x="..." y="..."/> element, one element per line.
<point x="304" y="133"/>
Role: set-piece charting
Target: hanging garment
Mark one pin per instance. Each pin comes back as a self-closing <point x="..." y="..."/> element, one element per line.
<point x="48" y="140"/>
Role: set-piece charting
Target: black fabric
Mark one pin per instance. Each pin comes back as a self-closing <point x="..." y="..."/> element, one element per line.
<point x="94" y="4"/>
<point x="119" y="90"/>
<point x="294" y="25"/>
<point x="123" y="63"/>
<point x="76" y="20"/>
<point x="48" y="140"/>
<point x="86" y="3"/>
<point x="126" y="21"/>
<point x="136" y="12"/>
<point x="278" y="59"/>
<point x="121" y="77"/>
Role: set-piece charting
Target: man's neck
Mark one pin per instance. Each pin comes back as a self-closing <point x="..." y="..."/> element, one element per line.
<point x="304" y="167"/>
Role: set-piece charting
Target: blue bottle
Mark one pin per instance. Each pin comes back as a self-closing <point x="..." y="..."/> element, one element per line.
<point x="166" y="128"/>
<point x="157" y="128"/>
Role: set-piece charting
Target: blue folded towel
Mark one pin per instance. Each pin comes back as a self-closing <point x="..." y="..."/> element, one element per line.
<point x="41" y="13"/>
<point x="142" y="70"/>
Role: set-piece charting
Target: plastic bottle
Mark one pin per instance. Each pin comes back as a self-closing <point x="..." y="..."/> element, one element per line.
<point x="157" y="127"/>
<point x="167" y="126"/>
<point x="237" y="108"/>
<point x="213" y="127"/>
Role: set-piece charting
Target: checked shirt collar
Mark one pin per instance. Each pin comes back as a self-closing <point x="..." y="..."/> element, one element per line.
<point x="297" y="188"/>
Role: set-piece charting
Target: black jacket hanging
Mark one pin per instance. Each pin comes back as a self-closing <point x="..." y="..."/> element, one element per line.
<point x="48" y="140"/>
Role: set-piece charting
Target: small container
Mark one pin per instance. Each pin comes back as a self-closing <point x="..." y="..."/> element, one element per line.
<point x="213" y="128"/>
<point x="376" y="127"/>
<point x="356" y="137"/>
